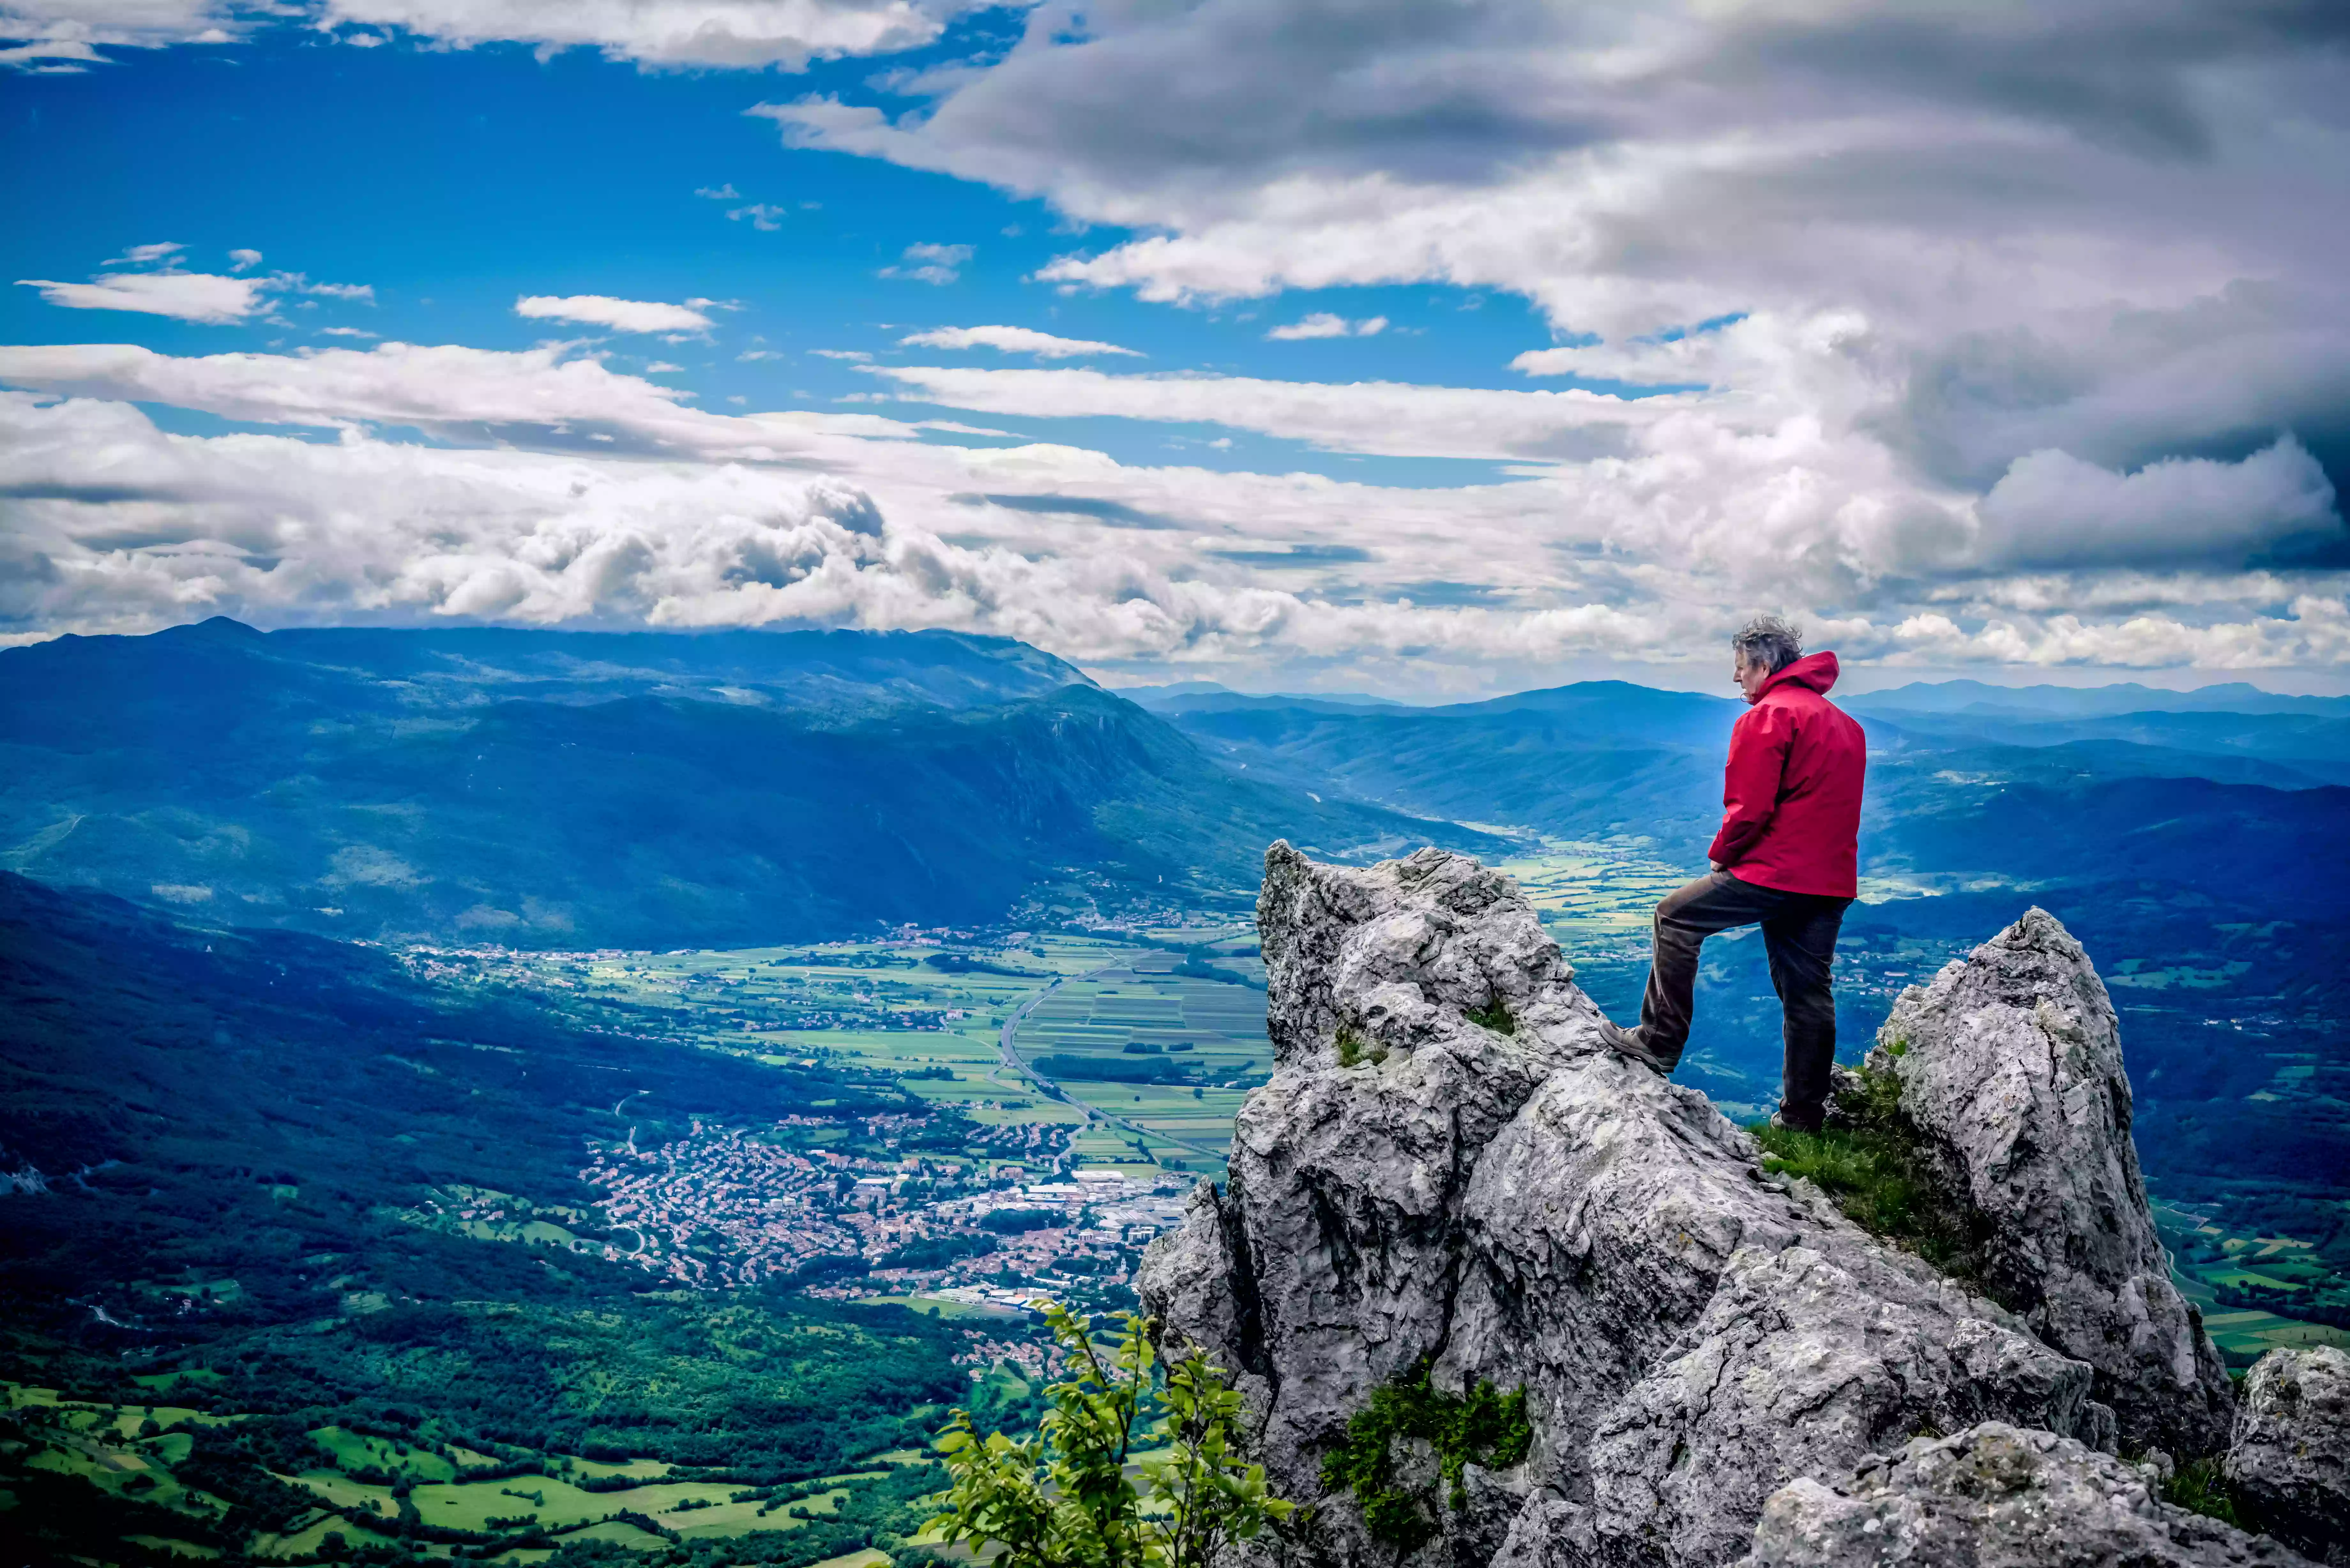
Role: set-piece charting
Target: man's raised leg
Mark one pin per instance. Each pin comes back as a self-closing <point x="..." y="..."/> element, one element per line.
<point x="1688" y="915"/>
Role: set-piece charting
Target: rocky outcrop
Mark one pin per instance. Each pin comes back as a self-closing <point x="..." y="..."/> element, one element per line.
<point x="2289" y="1467"/>
<point x="2010" y="1064"/>
<point x="1994" y="1496"/>
<point x="1448" y="1168"/>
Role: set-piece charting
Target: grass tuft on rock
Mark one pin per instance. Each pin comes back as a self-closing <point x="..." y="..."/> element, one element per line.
<point x="2200" y="1486"/>
<point x="1354" y="1050"/>
<point x="1485" y="1427"/>
<point x="1495" y="1015"/>
<point x="1877" y="1167"/>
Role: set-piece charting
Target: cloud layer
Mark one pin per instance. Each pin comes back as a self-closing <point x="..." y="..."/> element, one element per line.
<point x="558" y="491"/>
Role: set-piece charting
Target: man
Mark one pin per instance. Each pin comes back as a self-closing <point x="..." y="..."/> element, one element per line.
<point x="1787" y="859"/>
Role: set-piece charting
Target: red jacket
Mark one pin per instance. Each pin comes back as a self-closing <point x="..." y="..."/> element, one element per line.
<point x="1791" y="794"/>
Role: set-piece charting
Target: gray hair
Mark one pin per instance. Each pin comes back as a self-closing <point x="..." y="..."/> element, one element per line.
<point x="1769" y="640"/>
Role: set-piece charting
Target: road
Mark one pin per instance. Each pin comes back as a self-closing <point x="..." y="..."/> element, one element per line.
<point x="1003" y="1048"/>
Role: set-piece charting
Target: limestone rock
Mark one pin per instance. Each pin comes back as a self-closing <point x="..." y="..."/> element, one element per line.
<point x="1509" y="1201"/>
<point x="1994" y="1496"/>
<point x="2011" y="1064"/>
<point x="2290" y="1464"/>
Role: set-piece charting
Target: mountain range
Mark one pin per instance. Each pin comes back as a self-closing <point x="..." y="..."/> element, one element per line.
<point x="635" y="789"/>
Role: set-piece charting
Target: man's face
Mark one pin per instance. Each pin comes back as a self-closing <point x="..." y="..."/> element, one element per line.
<point x="1750" y="676"/>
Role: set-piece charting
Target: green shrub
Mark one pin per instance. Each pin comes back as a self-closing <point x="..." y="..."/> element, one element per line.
<point x="1485" y="1427"/>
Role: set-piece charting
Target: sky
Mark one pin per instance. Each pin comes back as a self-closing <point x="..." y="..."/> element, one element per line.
<point x="1424" y="349"/>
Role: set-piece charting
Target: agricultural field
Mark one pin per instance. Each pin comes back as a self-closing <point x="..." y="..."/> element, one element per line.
<point x="2258" y="1292"/>
<point x="379" y="1490"/>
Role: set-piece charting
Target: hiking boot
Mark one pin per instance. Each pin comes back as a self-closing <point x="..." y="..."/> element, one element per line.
<point x="1780" y="1119"/>
<point x="1627" y="1043"/>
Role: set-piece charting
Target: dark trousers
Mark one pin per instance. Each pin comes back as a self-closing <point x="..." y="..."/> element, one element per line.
<point x="1799" y="933"/>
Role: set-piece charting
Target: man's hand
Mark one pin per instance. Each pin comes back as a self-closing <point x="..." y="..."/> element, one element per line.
<point x="1717" y="866"/>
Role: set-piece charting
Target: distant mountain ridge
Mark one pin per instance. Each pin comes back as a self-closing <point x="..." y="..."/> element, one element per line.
<point x="627" y="789"/>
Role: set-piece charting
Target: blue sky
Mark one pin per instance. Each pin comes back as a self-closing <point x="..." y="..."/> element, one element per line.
<point x="455" y="182"/>
<point x="1621" y="322"/>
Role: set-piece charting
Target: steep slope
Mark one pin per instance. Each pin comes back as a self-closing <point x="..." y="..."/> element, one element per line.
<point x="568" y="789"/>
<point x="182" y="1102"/>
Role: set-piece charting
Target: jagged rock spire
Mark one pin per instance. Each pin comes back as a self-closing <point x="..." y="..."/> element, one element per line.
<point x="2010" y="1064"/>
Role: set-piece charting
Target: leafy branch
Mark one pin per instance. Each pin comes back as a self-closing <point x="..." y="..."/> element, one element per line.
<point x="1062" y="1499"/>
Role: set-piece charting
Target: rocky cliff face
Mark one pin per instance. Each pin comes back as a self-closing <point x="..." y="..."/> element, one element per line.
<point x="2010" y="1064"/>
<point x="1448" y="1171"/>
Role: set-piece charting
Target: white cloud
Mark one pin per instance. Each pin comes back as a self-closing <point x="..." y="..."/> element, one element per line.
<point x="346" y="332"/>
<point x="148" y="255"/>
<point x="620" y="315"/>
<point x="1012" y="340"/>
<point x="244" y="260"/>
<point x="725" y="192"/>
<point x="751" y="354"/>
<point x="931" y="264"/>
<point x="854" y="355"/>
<point x="763" y="215"/>
<point x="69" y="35"/>
<point x="300" y="284"/>
<point x="187" y="296"/>
<point x="1322" y="324"/>
<point x="662" y="367"/>
<point x="668" y="33"/>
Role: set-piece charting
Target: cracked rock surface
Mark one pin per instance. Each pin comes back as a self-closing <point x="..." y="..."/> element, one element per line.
<point x="1996" y="1497"/>
<point x="1509" y="1201"/>
<point x="2011" y="1064"/>
<point x="2290" y="1464"/>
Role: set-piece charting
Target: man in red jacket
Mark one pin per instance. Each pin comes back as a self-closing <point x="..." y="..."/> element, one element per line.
<point x="1785" y="859"/>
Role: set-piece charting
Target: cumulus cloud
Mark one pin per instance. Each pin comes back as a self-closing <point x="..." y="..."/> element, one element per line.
<point x="199" y="296"/>
<point x="668" y="33"/>
<point x="2051" y="509"/>
<point x="1012" y="340"/>
<point x="764" y="216"/>
<point x="619" y="315"/>
<point x="244" y="260"/>
<point x="1323" y="324"/>
<point x="931" y="264"/>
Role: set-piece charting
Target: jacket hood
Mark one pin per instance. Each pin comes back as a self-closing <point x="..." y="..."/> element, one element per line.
<point x="1816" y="670"/>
